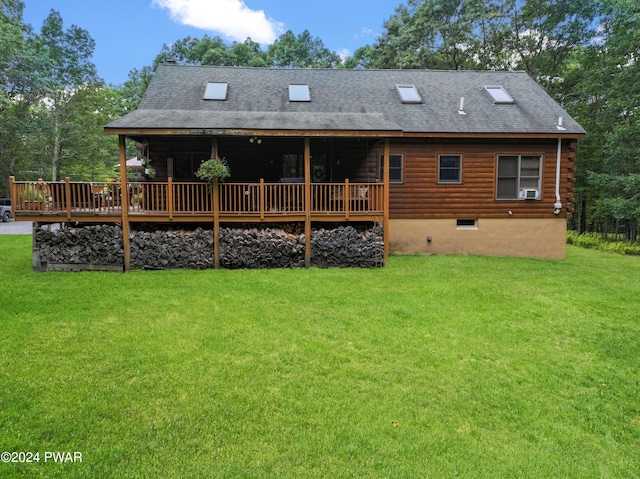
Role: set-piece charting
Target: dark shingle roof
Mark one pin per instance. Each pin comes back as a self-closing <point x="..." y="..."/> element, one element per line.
<point x="341" y="99"/>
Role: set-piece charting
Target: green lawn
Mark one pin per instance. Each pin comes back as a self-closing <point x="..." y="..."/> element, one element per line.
<point x="432" y="367"/>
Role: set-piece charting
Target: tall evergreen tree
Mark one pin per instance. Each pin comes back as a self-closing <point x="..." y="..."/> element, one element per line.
<point x="604" y="77"/>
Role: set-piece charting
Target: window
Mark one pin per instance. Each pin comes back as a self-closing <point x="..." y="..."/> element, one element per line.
<point x="299" y="93"/>
<point x="185" y="165"/>
<point x="450" y="169"/>
<point x="395" y="168"/>
<point x="518" y="177"/>
<point x="216" y="91"/>
<point x="499" y="95"/>
<point x="408" y="94"/>
<point x="467" y="223"/>
<point x="293" y="166"/>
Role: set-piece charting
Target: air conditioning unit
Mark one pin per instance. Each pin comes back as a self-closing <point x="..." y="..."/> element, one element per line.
<point x="530" y="194"/>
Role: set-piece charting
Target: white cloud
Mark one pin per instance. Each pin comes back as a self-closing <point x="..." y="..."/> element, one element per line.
<point x="230" y="18"/>
<point x="344" y="53"/>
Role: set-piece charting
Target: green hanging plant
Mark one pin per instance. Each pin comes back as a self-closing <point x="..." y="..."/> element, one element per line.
<point x="213" y="168"/>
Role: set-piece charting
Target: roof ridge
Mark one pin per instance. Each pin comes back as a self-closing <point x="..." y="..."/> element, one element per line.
<point x="359" y="70"/>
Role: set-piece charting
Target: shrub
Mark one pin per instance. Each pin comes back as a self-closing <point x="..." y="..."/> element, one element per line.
<point x="592" y="241"/>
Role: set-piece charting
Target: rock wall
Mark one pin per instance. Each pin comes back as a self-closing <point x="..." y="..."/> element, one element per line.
<point x="359" y="246"/>
<point x="172" y="248"/>
<point x="283" y="246"/>
<point x="78" y="248"/>
<point x="264" y="247"/>
<point x="241" y="246"/>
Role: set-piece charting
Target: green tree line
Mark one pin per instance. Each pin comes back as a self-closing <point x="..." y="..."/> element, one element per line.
<point x="583" y="52"/>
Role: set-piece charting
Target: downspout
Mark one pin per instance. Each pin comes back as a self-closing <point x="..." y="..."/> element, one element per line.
<point x="557" y="207"/>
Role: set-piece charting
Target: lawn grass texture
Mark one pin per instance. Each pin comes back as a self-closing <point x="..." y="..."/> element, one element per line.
<point x="433" y="366"/>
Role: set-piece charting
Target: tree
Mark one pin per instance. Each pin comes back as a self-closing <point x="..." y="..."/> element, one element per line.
<point x="12" y="43"/>
<point x="129" y="95"/>
<point x="248" y="53"/>
<point x="604" y="95"/>
<point x="301" y="51"/>
<point x="66" y="70"/>
<point x="19" y="85"/>
<point x="439" y="34"/>
<point x="289" y="50"/>
<point x="533" y="35"/>
<point x="545" y="33"/>
<point x="212" y="51"/>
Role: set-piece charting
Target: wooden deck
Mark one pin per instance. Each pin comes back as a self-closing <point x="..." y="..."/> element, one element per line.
<point x="196" y="202"/>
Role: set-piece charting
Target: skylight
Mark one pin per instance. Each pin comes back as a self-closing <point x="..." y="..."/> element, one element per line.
<point x="499" y="95"/>
<point x="408" y="94"/>
<point x="299" y="93"/>
<point x="216" y="91"/>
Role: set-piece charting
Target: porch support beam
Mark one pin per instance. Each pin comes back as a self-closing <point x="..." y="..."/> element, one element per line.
<point x="170" y="197"/>
<point x="13" y="194"/>
<point x="215" y="196"/>
<point x="124" y="192"/>
<point x="67" y="195"/>
<point x="307" y="202"/>
<point x="385" y="194"/>
<point x="215" y="205"/>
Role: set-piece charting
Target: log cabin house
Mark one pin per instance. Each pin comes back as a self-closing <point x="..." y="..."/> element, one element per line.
<point x="469" y="162"/>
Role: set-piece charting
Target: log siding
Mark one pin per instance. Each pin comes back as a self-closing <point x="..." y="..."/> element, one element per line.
<point x="420" y="196"/>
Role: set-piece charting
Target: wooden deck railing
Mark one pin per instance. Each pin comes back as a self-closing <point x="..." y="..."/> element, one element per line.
<point x="262" y="198"/>
<point x="67" y="198"/>
<point x="363" y="198"/>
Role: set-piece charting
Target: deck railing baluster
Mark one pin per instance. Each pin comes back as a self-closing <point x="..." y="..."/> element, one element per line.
<point x="259" y="199"/>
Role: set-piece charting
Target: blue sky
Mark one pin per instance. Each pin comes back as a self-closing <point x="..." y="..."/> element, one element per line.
<point x="130" y="33"/>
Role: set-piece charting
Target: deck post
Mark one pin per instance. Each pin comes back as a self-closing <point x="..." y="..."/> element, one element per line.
<point x="216" y="223"/>
<point x="67" y="194"/>
<point x="385" y="196"/>
<point x="13" y="194"/>
<point x="347" y="199"/>
<point x="170" y="197"/>
<point x="307" y="202"/>
<point x="124" y="201"/>
<point x="261" y="198"/>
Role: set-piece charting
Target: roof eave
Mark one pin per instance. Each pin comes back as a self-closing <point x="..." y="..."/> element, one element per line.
<point x="511" y="135"/>
<point x="332" y="133"/>
<point x="250" y="132"/>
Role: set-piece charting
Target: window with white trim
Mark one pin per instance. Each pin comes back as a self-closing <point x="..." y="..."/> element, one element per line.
<point x="518" y="177"/>
<point x="450" y="169"/>
<point x="499" y="95"/>
<point x="299" y="93"/>
<point x="395" y="168"/>
<point x="408" y="94"/>
<point x="216" y="91"/>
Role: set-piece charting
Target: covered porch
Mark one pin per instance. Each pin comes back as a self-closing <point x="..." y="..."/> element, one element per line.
<point x="339" y="182"/>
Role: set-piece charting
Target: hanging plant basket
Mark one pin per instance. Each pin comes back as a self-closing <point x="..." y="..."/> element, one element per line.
<point x="213" y="168"/>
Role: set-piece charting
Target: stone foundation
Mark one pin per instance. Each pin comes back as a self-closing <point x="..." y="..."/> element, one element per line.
<point x="171" y="249"/>
<point x="100" y="247"/>
<point x="358" y="246"/>
<point x="269" y="246"/>
<point x="96" y="247"/>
